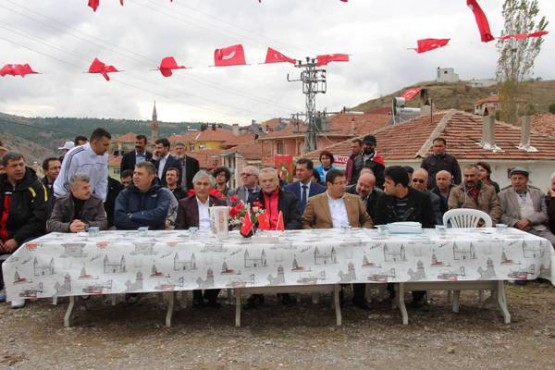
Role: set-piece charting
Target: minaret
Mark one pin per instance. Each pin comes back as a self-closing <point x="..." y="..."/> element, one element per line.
<point x="154" y="126"/>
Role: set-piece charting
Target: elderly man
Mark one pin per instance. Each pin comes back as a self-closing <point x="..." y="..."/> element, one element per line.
<point x="79" y="210"/>
<point x="304" y="188"/>
<point x="419" y="181"/>
<point x="23" y="210"/>
<point x="523" y="206"/>
<point x="140" y="154"/>
<point x="472" y="193"/>
<point x="444" y="184"/>
<point x="193" y="212"/>
<point x="249" y="177"/>
<point x="92" y="159"/>
<point x="335" y="209"/>
<point x="144" y="203"/>
<point x="440" y="160"/>
<point x="366" y="189"/>
<point x="403" y="203"/>
<point x="188" y="168"/>
<point x="369" y="158"/>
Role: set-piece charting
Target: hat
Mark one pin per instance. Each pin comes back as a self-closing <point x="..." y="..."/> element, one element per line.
<point x="369" y="139"/>
<point x="67" y="145"/>
<point x="180" y="143"/>
<point x="519" y="171"/>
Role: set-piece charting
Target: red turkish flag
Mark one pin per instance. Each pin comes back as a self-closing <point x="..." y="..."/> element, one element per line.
<point x="229" y="56"/>
<point x="274" y="56"/>
<point x="167" y="65"/>
<point x="521" y="36"/>
<point x="425" y="45"/>
<point x="322" y="60"/>
<point x="94" y="4"/>
<point x="411" y="93"/>
<point x="280" y="226"/>
<point x="98" y="67"/>
<point x="481" y="21"/>
<point x="263" y="221"/>
<point x="247" y="225"/>
<point x="17" y="70"/>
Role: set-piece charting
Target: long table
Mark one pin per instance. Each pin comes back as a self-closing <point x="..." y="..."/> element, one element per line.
<point x="117" y="262"/>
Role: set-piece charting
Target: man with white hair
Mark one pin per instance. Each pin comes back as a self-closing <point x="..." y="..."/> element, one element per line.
<point x="366" y="189"/>
<point x="419" y="181"/>
<point x="444" y="184"/>
<point x="193" y="212"/>
<point x="249" y="178"/>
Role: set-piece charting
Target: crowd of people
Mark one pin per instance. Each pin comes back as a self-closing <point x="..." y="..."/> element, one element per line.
<point x="166" y="190"/>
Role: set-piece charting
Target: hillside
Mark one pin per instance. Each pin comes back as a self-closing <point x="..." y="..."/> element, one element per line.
<point x="31" y="151"/>
<point x="53" y="132"/>
<point x="540" y="94"/>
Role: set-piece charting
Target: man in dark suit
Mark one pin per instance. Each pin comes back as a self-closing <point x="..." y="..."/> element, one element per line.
<point x="163" y="159"/>
<point x="189" y="166"/>
<point x="140" y="154"/>
<point x="193" y="212"/>
<point x="304" y="188"/>
<point x="366" y="189"/>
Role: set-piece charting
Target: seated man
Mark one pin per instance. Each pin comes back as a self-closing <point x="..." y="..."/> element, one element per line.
<point x="144" y="203"/>
<point x="473" y="193"/>
<point x="403" y="203"/>
<point x="419" y="181"/>
<point x="78" y="210"/>
<point x="524" y="207"/>
<point x="335" y="209"/>
<point x="444" y="184"/>
<point x="275" y="200"/>
<point x="366" y="189"/>
<point x="193" y="212"/>
<point x="23" y="209"/>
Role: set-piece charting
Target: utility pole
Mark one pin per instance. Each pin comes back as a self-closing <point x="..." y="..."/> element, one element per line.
<point x="314" y="82"/>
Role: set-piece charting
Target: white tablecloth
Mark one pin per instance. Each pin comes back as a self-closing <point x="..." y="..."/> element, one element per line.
<point x="123" y="261"/>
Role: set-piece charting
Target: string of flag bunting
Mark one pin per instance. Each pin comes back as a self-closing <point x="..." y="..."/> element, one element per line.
<point x="234" y="55"/>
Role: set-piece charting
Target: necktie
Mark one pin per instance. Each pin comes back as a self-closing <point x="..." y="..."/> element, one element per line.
<point x="304" y="196"/>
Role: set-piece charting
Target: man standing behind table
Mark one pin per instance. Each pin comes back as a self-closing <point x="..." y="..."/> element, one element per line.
<point x="369" y="158"/>
<point x="140" y="154"/>
<point x="356" y="149"/>
<point x="440" y="160"/>
<point x="194" y="211"/>
<point x="92" y="159"/>
<point x="144" y="203"/>
<point x="403" y="203"/>
<point x="23" y="210"/>
<point x="188" y="168"/>
<point x="51" y="167"/>
<point x="336" y="209"/>
<point x="172" y="178"/>
<point x="304" y="188"/>
<point x="79" y="210"/>
<point x="163" y="159"/>
<point x="472" y="193"/>
<point x="524" y="207"/>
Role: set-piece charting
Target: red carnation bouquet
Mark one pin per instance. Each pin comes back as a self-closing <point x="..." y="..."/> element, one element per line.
<point x="245" y="215"/>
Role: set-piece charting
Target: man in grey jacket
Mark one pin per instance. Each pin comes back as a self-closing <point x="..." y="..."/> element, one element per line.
<point x="523" y="206"/>
<point x="79" y="210"/>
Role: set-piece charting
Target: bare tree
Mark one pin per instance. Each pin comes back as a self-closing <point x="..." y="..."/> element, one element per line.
<point x="516" y="56"/>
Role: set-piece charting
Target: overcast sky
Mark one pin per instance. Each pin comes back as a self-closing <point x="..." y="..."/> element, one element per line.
<point x="60" y="38"/>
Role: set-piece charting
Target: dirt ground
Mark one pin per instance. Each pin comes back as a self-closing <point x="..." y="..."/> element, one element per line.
<point x="274" y="336"/>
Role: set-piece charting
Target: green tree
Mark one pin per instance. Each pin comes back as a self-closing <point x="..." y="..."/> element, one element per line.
<point x="516" y="57"/>
<point x="552" y="108"/>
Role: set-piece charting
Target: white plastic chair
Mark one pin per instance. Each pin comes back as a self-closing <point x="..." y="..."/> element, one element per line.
<point x="465" y="218"/>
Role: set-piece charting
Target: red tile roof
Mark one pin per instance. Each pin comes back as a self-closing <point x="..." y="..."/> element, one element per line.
<point x="219" y="134"/>
<point x="339" y="125"/>
<point x="207" y="158"/>
<point x="463" y="131"/>
<point x="544" y="123"/>
<point x="250" y="151"/>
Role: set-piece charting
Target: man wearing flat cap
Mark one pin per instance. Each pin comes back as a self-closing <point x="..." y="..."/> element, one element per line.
<point x="371" y="159"/>
<point x="523" y="206"/>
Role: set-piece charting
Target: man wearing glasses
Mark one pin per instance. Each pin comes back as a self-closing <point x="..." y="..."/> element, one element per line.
<point x="249" y="178"/>
<point x="420" y="182"/>
<point x="337" y="209"/>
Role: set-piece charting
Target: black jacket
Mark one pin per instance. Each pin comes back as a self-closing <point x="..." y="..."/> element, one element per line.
<point x="289" y="206"/>
<point x="128" y="160"/>
<point x="28" y="208"/>
<point x="419" y="209"/>
<point x="435" y="163"/>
